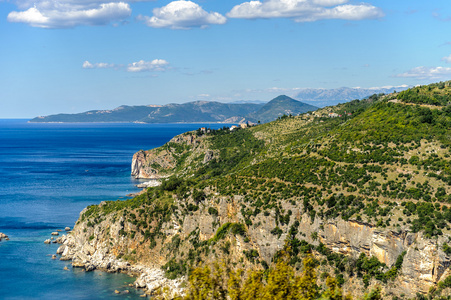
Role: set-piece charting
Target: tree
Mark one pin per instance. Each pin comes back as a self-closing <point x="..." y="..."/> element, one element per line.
<point x="306" y="284"/>
<point x="253" y="286"/>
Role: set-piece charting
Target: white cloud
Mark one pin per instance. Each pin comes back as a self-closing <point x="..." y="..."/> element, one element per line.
<point x="52" y="14"/>
<point x="140" y="66"/>
<point x="182" y="15"/>
<point x="88" y="65"/>
<point x="447" y="59"/>
<point x="427" y="73"/>
<point x="305" y="10"/>
<point x="146" y="66"/>
<point x="388" y="87"/>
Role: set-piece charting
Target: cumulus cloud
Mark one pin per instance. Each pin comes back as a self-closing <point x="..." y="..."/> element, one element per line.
<point x="157" y="65"/>
<point x="426" y="73"/>
<point x="88" y="65"/>
<point x="305" y="10"/>
<point x="182" y="15"/>
<point x="447" y="59"/>
<point x="54" y="14"/>
<point x="146" y="66"/>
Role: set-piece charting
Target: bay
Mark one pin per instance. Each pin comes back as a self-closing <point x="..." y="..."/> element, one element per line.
<point x="48" y="174"/>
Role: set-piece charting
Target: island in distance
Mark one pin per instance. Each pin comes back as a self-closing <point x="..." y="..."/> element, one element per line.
<point x="191" y="112"/>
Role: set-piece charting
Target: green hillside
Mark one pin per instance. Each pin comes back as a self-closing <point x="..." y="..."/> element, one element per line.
<point x="438" y="94"/>
<point x="381" y="163"/>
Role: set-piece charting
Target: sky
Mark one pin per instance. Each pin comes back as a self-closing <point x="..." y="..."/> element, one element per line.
<point x="72" y="56"/>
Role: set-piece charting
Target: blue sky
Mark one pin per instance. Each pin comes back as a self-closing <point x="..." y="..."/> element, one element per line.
<point x="78" y="55"/>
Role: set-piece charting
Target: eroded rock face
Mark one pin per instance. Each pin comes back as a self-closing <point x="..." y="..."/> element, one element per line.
<point x="144" y="162"/>
<point x="99" y="246"/>
<point x="209" y="155"/>
<point x="157" y="163"/>
<point x="138" y="161"/>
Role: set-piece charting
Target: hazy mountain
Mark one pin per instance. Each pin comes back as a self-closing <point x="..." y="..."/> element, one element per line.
<point x="191" y="112"/>
<point x="198" y="111"/>
<point x="278" y="107"/>
<point x="327" y="97"/>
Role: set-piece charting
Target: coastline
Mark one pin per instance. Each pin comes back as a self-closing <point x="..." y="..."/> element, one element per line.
<point x="133" y="122"/>
<point x="83" y="255"/>
<point x="90" y="253"/>
<point x="47" y="169"/>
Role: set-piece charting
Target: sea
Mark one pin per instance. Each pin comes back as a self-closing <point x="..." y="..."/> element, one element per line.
<point x="49" y="172"/>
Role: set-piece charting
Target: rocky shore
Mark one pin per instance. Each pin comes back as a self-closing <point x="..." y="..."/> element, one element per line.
<point x="3" y="236"/>
<point x="151" y="183"/>
<point x="88" y="257"/>
<point x="144" y="186"/>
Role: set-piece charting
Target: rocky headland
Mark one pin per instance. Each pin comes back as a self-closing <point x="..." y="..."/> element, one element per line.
<point x="369" y="201"/>
<point x="95" y="253"/>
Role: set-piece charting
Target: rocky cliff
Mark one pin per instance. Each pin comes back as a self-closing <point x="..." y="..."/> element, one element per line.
<point x="116" y="244"/>
<point x="158" y="163"/>
<point x="365" y="192"/>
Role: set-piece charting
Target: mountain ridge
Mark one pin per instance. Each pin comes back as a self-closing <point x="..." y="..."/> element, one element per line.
<point x="190" y="112"/>
<point x="327" y="97"/>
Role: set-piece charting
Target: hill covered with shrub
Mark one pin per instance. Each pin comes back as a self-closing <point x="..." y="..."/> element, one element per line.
<point x="357" y="192"/>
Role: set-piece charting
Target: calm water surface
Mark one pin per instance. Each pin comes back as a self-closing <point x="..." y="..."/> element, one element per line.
<point x="48" y="174"/>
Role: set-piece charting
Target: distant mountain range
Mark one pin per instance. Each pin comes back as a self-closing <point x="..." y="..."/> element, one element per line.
<point x="191" y="112"/>
<point x="217" y="112"/>
<point x="328" y="97"/>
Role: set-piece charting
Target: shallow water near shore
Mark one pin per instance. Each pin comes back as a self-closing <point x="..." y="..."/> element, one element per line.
<point x="48" y="174"/>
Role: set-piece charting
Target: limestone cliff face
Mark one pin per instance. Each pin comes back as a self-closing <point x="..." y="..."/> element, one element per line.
<point x="116" y="244"/>
<point x="158" y="163"/>
<point x="138" y="161"/>
<point x="424" y="264"/>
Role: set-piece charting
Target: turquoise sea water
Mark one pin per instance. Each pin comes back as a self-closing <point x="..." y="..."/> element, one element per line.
<point x="48" y="174"/>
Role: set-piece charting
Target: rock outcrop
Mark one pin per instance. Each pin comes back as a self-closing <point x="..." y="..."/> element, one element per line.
<point x="95" y="253"/>
<point x="138" y="162"/>
<point x="3" y="236"/>
<point x="105" y="247"/>
<point x="160" y="162"/>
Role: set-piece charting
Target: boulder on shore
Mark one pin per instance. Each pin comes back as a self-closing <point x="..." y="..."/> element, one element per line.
<point x="3" y="236"/>
<point x="47" y="241"/>
<point x="55" y="233"/>
<point x="67" y="228"/>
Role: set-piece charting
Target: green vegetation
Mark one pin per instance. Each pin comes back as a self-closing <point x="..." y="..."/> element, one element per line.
<point x="376" y="162"/>
<point x="434" y="94"/>
<point x="234" y="228"/>
<point x="279" y="282"/>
